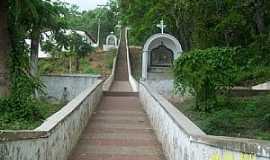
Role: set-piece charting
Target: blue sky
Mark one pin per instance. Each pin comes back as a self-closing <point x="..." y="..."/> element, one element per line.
<point x="86" y="4"/>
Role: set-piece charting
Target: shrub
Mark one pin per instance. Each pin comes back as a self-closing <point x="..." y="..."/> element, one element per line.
<point x="203" y="73"/>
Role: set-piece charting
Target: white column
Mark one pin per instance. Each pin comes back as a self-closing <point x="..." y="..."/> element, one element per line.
<point x="144" y="65"/>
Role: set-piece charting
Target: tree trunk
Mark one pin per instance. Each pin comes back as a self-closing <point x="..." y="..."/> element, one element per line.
<point x="4" y="49"/>
<point x="259" y="19"/>
<point x="77" y="63"/>
<point x="70" y="64"/>
<point x="35" y="37"/>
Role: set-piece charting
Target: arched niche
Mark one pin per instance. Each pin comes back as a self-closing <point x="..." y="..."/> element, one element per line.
<point x="111" y="40"/>
<point x="166" y="44"/>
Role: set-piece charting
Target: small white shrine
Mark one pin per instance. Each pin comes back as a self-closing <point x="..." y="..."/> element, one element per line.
<point x="111" y="42"/>
<point x="159" y="51"/>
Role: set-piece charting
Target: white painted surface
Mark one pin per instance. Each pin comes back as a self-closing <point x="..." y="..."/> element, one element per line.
<point x="264" y="86"/>
<point x="183" y="140"/>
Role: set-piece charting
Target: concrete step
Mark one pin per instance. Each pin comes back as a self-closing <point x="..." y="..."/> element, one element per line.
<point x="121" y="94"/>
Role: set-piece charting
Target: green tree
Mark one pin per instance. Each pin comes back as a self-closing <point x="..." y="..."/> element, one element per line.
<point x="49" y="17"/>
<point x="88" y="21"/>
<point x="204" y="73"/>
<point x="80" y="47"/>
<point x="19" y="19"/>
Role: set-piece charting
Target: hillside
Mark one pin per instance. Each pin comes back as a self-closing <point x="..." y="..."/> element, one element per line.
<point x="96" y="63"/>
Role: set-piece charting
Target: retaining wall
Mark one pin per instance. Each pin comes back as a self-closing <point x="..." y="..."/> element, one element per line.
<point x="56" y="137"/>
<point x="183" y="140"/>
<point x="74" y="84"/>
<point x="264" y="86"/>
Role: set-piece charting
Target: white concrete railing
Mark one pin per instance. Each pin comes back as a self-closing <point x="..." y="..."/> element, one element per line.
<point x="183" y="140"/>
<point x="56" y="137"/>
<point x="134" y="84"/>
<point x="110" y="79"/>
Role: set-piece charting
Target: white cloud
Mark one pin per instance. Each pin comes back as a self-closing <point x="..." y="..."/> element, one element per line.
<point x="86" y="4"/>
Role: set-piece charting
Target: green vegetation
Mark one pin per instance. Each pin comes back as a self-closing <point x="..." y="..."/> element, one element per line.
<point x="88" y="20"/>
<point x="234" y="116"/>
<point x="28" y="19"/>
<point x="136" y="62"/>
<point x="13" y="115"/>
<point x="95" y="63"/>
<point x="253" y="76"/>
<point x="226" y="44"/>
<point x="202" y="23"/>
<point x="25" y="19"/>
<point x="204" y="73"/>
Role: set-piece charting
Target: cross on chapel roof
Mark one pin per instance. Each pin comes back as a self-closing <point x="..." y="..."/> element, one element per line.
<point x="162" y="26"/>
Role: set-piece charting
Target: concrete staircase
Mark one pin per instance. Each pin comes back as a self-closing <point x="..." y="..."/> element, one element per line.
<point x="121" y="94"/>
<point x="119" y="129"/>
<point x="121" y="73"/>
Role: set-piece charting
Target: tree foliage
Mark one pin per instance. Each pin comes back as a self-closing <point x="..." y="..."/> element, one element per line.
<point x="88" y="20"/>
<point x="80" y="47"/>
<point x="199" y="24"/>
<point x="27" y="19"/>
<point x="204" y="73"/>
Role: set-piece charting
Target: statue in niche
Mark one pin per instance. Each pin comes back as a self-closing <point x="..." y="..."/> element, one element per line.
<point x="161" y="56"/>
<point x="111" y="41"/>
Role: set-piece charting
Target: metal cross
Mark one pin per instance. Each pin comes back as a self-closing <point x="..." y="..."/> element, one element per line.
<point x="162" y="26"/>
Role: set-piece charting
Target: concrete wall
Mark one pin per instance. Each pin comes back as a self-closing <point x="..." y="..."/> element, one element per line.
<point x="264" y="86"/>
<point x="183" y="140"/>
<point x="75" y="84"/>
<point x="162" y="86"/>
<point x="56" y="137"/>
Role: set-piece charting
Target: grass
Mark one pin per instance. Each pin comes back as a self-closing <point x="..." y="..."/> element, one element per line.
<point x="96" y="63"/>
<point x="235" y="117"/>
<point x="253" y="76"/>
<point x="46" y="109"/>
<point x="86" y="68"/>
